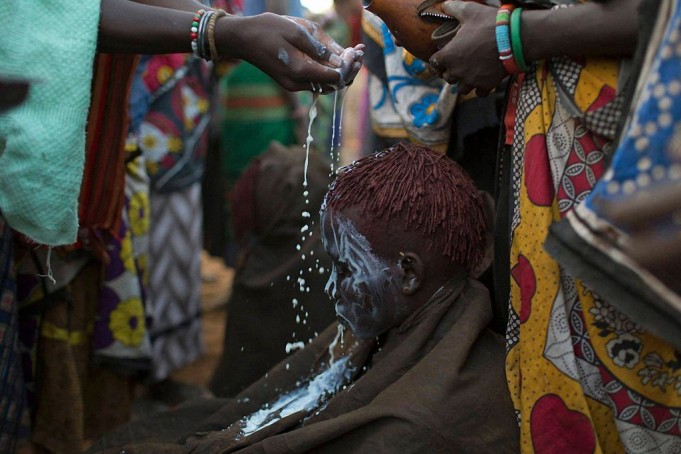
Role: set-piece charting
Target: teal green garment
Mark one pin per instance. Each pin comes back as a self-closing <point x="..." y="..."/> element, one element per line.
<point x="42" y="143"/>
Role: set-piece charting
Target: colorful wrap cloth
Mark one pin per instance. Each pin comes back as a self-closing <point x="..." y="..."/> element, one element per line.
<point x="411" y="102"/>
<point x="11" y="379"/>
<point x="102" y="194"/>
<point x="172" y="138"/>
<point x="254" y="111"/>
<point x="590" y="243"/>
<point x="174" y="132"/>
<point x="43" y="141"/>
<point x="583" y="376"/>
<point x="121" y="340"/>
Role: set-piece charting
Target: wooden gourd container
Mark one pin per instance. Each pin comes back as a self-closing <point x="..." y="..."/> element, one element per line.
<point x="419" y="26"/>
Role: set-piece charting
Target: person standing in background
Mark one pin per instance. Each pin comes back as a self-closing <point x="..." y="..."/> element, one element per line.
<point x="44" y="150"/>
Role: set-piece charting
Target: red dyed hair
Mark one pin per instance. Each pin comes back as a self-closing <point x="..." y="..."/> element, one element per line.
<point x="423" y="190"/>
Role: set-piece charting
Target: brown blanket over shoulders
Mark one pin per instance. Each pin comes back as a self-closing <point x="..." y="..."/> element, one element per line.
<point x="436" y="383"/>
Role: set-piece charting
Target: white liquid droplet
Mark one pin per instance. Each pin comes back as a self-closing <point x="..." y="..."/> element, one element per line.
<point x="309" y="139"/>
<point x="292" y="346"/>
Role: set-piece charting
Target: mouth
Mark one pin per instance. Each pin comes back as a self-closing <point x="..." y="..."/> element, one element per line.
<point x="341" y="319"/>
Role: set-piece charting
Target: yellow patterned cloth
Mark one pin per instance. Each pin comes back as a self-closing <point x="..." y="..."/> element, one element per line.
<point x="583" y="377"/>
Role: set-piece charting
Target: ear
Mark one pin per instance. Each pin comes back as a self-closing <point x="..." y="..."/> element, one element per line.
<point x="411" y="270"/>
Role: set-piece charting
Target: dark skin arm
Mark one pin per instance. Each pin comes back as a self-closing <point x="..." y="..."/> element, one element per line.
<point x="181" y="5"/>
<point x="591" y="29"/>
<point x="294" y="52"/>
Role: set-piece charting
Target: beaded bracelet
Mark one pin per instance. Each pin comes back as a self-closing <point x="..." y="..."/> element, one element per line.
<point x="211" y="33"/>
<point x="503" y="35"/>
<point x="199" y="30"/>
<point x="203" y="35"/>
<point x="516" y="42"/>
<point x="194" y="35"/>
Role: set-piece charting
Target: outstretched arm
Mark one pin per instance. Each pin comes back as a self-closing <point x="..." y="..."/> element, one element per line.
<point x="594" y="28"/>
<point x="294" y="52"/>
<point x="182" y="5"/>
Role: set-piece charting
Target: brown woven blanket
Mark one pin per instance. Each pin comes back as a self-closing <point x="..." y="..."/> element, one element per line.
<point x="434" y="384"/>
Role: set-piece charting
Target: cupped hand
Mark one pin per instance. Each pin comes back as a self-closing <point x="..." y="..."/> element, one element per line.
<point x="346" y="61"/>
<point x="471" y="58"/>
<point x="295" y="52"/>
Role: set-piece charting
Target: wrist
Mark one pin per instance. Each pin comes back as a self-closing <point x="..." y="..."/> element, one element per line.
<point x="585" y="29"/>
<point x="538" y="23"/>
<point x="229" y="36"/>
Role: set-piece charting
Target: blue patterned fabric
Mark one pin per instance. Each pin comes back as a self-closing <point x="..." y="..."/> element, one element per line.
<point x="650" y="154"/>
<point x="411" y="102"/>
<point x="593" y="246"/>
<point x="11" y="382"/>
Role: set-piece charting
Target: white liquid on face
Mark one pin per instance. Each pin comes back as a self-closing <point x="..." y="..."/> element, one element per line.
<point x="355" y="250"/>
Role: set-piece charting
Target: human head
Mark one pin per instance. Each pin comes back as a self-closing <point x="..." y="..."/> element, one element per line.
<point x="397" y="225"/>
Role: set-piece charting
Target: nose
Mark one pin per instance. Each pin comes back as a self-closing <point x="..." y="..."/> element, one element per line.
<point x="331" y="287"/>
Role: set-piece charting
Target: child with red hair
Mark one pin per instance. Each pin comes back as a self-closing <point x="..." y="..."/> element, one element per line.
<point x="418" y="370"/>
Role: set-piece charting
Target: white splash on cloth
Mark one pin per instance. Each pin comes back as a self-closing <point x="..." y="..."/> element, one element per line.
<point x="291" y="346"/>
<point x="307" y="396"/>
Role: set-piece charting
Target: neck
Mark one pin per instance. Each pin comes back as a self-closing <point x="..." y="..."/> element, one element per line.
<point x="437" y="292"/>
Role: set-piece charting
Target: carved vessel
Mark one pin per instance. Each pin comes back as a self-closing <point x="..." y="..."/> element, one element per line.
<point x="419" y="26"/>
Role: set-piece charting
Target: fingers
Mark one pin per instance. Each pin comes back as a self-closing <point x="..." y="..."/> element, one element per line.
<point x="348" y="57"/>
<point x="313" y="61"/>
<point x="457" y="9"/>
<point x="464" y="88"/>
<point x="355" y="70"/>
<point x="315" y="42"/>
<point x="435" y="64"/>
<point x="305" y="74"/>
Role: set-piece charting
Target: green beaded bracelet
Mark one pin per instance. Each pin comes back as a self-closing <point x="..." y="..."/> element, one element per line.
<point x="516" y="43"/>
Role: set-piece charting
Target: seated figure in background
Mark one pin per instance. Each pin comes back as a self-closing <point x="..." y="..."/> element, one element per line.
<point x="419" y="371"/>
<point x="278" y="288"/>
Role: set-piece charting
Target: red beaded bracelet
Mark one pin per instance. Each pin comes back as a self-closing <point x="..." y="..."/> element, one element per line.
<point x="195" y="31"/>
<point x="503" y="35"/>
